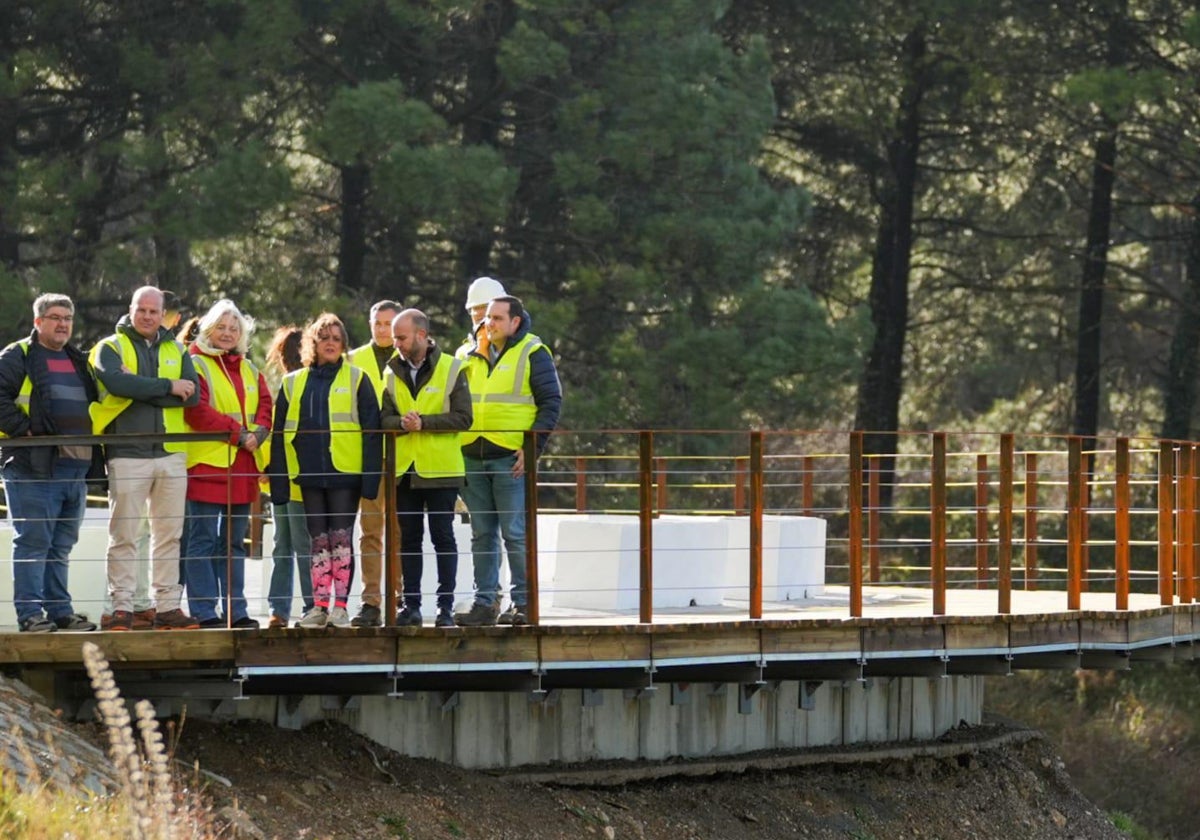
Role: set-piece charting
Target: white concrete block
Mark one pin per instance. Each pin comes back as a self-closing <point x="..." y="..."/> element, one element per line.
<point x="598" y="564"/>
<point x="793" y="564"/>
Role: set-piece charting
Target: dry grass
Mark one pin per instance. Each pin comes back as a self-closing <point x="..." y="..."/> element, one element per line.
<point x="1130" y="739"/>
<point x="152" y="803"/>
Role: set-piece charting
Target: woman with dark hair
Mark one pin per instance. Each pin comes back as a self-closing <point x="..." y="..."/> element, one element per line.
<point x="223" y="475"/>
<point x="292" y="547"/>
<point x="326" y="439"/>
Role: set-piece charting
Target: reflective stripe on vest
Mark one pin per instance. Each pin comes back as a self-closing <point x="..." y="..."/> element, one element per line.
<point x="222" y="396"/>
<point x="23" y="395"/>
<point x="344" y="448"/>
<point x="110" y="406"/>
<point x="363" y="358"/>
<point x="435" y="454"/>
<point x="502" y="398"/>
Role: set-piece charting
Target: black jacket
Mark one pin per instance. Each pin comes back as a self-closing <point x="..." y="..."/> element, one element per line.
<point x="16" y="363"/>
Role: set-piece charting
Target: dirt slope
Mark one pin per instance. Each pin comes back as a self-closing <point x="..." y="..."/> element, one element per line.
<point x="329" y="782"/>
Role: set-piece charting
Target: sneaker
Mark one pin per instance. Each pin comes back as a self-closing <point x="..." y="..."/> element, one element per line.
<point x="74" y="622"/>
<point x="338" y="617"/>
<point x="120" y="620"/>
<point x="37" y="624"/>
<point x="514" y="615"/>
<point x="445" y="618"/>
<point x="368" y="616"/>
<point x="144" y="619"/>
<point x="480" y="615"/>
<point x="175" y="619"/>
<point x="409" y="617"/>
<point x="316" y="617"/>
<point x="245" y="623"/>
<point x="277" y="622"/>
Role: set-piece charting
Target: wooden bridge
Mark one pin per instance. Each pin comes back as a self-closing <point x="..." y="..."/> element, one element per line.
<point x="990" y="554"/>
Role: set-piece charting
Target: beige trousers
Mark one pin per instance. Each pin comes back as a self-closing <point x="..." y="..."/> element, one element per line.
<point x="135" y="485"/>
<point x="370" y="548"/>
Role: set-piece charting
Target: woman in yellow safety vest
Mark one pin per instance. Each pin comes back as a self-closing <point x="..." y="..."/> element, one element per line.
<point x="326" y="439"/>
<point x="291" y="546"/>
<point x="223" y="475"/>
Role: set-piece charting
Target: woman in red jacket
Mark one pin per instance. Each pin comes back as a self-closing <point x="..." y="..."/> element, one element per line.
<point x="223" y="475"/>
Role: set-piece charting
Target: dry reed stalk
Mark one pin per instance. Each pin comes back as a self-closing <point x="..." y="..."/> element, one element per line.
<point x="122" y="747"/>
<point x="162" y="791"/>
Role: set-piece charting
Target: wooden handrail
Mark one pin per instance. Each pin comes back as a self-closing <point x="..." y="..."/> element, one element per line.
<point x="756" y="524"/>
<point x="1004" y="527"/>
<point x="1166" y="523"/>
<point x="1074" y="521"/>
<point x="646" y="527"/>
<point x="855" y="535"/>
<point x="1121" y="523"/>
<point x="937" y="523"/>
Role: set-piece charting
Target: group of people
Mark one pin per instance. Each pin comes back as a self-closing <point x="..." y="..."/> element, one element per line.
<point x="192" y="432"/>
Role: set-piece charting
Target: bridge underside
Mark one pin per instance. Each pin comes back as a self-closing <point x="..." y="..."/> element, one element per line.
<point x="507" y="696"/>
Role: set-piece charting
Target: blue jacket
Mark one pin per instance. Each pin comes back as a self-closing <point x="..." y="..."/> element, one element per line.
<point x="312" y="439"/>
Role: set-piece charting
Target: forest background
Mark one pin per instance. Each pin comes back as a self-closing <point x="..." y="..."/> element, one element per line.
<point x="895" y="214"/>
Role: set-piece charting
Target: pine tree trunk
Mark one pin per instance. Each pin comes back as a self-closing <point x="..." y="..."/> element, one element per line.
<point x="882" y="381"/>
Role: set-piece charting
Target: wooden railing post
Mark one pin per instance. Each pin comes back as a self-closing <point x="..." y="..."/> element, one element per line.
<point x="981" y="521"/>
<point x="646" y="527"/>
<point x="806" y="486"/>
<point x="937" y="523"/>
<point x="739" y="486"/>
<point x="756" y="524"/>
<point x="1031" y="520"/>
<point x="1186" y="523"/>
<point x="1087" y="466"/>
<point x="854" y="486"/>
<point x="660" y="484"/>
<point x="873" y="520"/>
<point x="1074" y="520"/>
<point x="1004" y="529"/>
<point x="1166" y="521"/>
<point x="1121" y="505"/>
<point x="391" y="536"/>
<point x="532" y="609"/>
<point x="580" y="485"/>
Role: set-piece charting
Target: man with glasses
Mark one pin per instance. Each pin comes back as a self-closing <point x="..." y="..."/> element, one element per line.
<point x="45" y="389"/>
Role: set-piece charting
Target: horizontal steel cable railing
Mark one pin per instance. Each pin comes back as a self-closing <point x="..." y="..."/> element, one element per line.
<point x="639" y="526"/>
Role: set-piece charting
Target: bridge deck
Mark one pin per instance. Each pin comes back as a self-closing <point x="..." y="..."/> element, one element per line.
<point x="811" y="640"/>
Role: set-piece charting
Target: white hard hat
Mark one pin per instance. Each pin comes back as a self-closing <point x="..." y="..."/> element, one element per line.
<point x="482" y="291"/>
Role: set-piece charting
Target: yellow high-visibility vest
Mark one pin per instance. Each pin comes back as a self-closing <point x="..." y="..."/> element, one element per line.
<point x="26" y="390"/>
<point x="363" y="358"/>
<point x="503" y="401"/>
<point x="435" y="454"/>
<point x="345" y="448"/>
<point x="223" y="398"/>
<point x="110" y="406"/>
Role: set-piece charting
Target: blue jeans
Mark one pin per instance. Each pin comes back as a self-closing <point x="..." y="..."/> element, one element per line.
<point x="46" y="515"/>
<point x="291" y="540"/>
<point x="411" y="505"/>
<point x="496" y="501"/>
<point x="209" y="526"/>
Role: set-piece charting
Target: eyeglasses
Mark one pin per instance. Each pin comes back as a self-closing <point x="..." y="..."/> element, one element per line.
<point x="65" y="319"/>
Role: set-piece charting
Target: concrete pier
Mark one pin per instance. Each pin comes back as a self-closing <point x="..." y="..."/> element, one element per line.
<point x="511" y="729"/>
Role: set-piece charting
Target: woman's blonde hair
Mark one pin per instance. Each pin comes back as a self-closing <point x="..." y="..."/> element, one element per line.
<point x="223" y="307"/>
